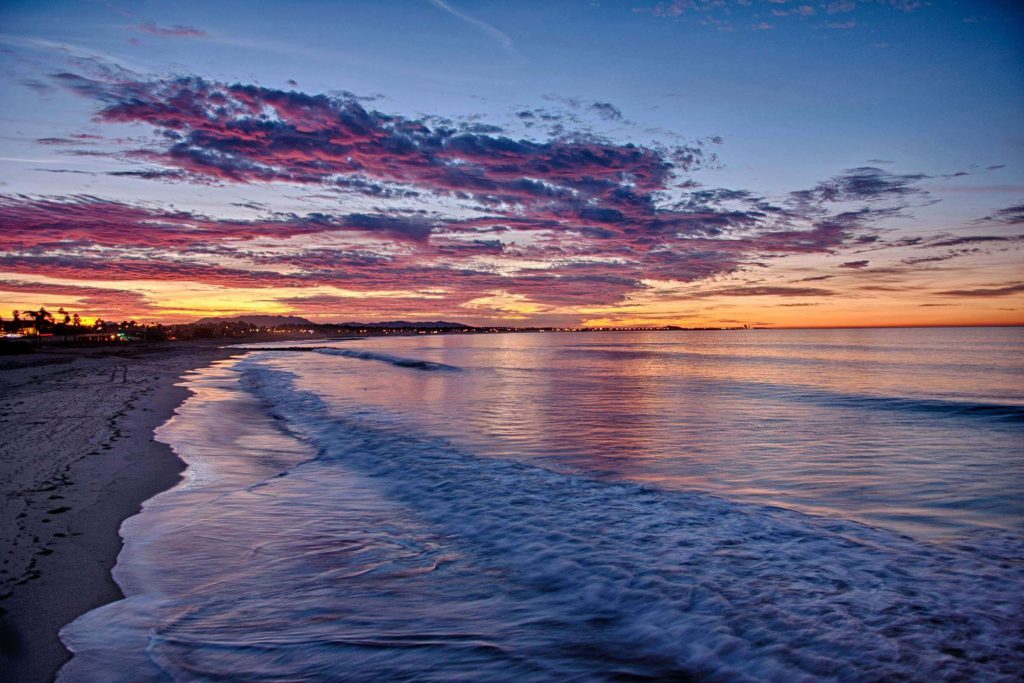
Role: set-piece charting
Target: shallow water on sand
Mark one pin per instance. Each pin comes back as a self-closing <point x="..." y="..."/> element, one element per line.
<point x="744" y="505"/>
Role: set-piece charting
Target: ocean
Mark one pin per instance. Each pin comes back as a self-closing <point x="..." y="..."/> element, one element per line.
<point x="773" y="505"/>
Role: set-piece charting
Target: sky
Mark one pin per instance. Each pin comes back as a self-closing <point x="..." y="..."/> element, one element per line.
<point x="697" y="163"/>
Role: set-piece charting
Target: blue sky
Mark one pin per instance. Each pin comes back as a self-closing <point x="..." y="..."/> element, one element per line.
<point x="778" y="96"/>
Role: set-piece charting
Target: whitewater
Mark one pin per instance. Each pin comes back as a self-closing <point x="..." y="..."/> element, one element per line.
<point x="781" y="506"/>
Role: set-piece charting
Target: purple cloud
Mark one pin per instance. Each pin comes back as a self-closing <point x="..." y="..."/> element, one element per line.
<point x="178" y="31"/>
<point x="1006" y="290"/>
<point x="1011" y="215"/>
<point x="565" y="221"/>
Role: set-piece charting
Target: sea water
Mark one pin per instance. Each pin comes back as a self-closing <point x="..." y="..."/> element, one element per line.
<point x="742" y="505"/>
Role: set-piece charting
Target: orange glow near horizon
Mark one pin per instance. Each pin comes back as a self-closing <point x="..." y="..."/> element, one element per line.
<point x="183" y="302"/>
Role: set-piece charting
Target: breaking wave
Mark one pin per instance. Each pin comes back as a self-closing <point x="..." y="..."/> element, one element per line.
<point x="398" y="361"/>
<point x="686" y="584"/>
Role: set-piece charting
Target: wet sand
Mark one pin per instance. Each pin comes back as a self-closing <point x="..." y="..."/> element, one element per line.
<point x="77" y="457"/>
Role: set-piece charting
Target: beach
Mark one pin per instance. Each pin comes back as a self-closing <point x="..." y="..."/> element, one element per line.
<point x="77" y="457"/>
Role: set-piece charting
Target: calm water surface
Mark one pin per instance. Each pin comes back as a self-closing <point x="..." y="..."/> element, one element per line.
<point x="919" y="431"/>
<point x="763" y="505"/>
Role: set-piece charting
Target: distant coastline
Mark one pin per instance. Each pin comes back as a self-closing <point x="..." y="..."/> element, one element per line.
<point x="24" y="337"/>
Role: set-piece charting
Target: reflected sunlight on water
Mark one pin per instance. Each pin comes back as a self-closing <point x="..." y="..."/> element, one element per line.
<point x="917" y="430"/>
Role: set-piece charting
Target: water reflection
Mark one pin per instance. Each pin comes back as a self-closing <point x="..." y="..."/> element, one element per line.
<point x="874" y="425"/>
<point x="372" y="517"/>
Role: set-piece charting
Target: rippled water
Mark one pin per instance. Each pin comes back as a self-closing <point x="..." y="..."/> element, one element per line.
<point x="769" y="505"/>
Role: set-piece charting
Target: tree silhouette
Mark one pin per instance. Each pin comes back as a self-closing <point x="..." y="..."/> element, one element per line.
<point x="42" y="316"/>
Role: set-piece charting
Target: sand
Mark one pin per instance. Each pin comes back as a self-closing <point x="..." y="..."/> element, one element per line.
<point x="77" y="457"/>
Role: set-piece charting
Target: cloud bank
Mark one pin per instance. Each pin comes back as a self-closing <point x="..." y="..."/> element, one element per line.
<point x="464" y="217"/>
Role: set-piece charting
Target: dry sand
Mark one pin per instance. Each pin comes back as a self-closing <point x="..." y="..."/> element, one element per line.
<point x="77" y="457"/>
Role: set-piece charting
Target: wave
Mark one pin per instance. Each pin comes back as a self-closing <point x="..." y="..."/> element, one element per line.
<point x="935" y="406"/>
<point x="398" y="361"/>
<point x="684" y="584"/>
<point x="664" y="352"/>
<point x="1013" y="413"/>
<point x="823" y="396"/>
<point x="414" y="363"/>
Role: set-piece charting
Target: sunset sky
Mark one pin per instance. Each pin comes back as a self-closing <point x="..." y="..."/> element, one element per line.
<point x="700" y="162"/>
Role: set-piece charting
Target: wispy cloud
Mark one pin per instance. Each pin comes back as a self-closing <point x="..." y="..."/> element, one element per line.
<point x="177" y="31"/>
<point x="499" y="36"/>
<point x="103" y="61"/>
<point x="985" y="292"/>
<point x="1011" y="215"/>
<point x="726" y="15"/>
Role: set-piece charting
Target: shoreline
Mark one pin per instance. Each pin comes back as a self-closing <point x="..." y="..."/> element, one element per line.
<point x="77" y="458"/>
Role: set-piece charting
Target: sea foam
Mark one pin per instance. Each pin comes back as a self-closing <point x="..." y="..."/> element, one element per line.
<point x="689" y="583"/>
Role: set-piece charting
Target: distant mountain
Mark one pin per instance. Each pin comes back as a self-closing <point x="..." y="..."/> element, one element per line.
<point x="398" y="324"/>
<point x="282" y="320"/>
<point x="258" y="320"/>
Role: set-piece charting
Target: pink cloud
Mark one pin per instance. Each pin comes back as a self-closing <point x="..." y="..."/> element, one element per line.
<point x="178" y="31"/>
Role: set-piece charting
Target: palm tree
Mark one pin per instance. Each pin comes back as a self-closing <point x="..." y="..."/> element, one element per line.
<point x="41" y="317"/>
